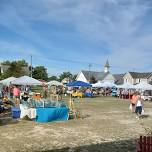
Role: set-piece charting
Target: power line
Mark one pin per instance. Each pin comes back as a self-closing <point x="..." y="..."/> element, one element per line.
<point x="61" y="60"/>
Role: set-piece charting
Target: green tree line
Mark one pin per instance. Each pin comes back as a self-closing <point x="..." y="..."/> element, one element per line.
<point x="20" y="68"/>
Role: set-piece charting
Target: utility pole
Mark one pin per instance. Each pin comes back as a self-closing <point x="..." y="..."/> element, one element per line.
<point x="89" y="71"/>
<point x="31" y="67"/>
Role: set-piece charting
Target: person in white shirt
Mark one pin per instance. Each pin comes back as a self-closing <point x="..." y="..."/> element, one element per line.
<point x="139" y="106"/>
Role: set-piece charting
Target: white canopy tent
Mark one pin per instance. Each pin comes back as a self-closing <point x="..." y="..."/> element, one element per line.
<point x="7" y="81"/>
<point x="143" y="86"/>
<point x="54" y="83"/>
<point x="108" y="84"/>
<point x="104" y="84"/>
<point x="126" y="85"/>
<point x="26" y="80"/>
<point x="97" y="85"/>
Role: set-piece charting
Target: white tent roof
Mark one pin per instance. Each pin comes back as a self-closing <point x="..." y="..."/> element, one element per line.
<point x="97" y="85"/>
<point x="103" y="84"/>
<point x="54" y="83"/>
<point x="7" y="81"/>
<point x="26" y="80"/>
<point x="108" y="84"/>
<point x="126" y="85"/>
<point x="143" y="86"/>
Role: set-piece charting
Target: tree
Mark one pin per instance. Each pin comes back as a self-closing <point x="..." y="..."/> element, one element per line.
<point x="65" y="75"/>
<point x="15" y="68"/>
<point x="93" y="80"/>
<point x="19" y="62"/>
<point x="22" y="63"/>
<point x="53" y="78"/>
<point x="74" y="77"/>
<point x="6" y="63"/>
<point x="40" y="72"/>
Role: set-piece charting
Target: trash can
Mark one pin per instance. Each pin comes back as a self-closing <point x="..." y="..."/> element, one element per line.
<point x="16" y="112"/>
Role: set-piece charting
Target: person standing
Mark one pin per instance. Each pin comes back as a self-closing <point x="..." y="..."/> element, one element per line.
<point x="16" y="95"/>
<point x="139" y="106"/>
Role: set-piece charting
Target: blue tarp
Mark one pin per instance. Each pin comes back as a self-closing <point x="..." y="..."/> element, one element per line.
<point x="52" y="114"/>
<point x="78" y="84"/>
<point x="88" y="95"/>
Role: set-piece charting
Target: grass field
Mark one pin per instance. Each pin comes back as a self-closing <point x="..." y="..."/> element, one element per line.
<point x="106" y="125"/>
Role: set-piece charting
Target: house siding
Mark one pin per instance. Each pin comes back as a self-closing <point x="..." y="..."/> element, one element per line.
<point x="128" y="78"/>
<point x="109" y="78"/>
<point x="150" y="79"/>
<point x="81" y="77"/>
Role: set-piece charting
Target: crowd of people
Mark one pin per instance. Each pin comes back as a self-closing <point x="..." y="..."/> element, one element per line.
<point x="14" y="93"/>
<point x="121" y="93"/>
<point x="8" y="93"/>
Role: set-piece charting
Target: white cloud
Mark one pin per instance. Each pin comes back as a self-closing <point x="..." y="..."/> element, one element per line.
<point x="12" y="49"/>
<point x="115" y="23"/>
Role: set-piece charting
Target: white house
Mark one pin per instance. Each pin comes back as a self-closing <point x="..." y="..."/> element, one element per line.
<point x="115" y="78"/>
<point x="136" y="77"/>
<point x="90" y="76"/>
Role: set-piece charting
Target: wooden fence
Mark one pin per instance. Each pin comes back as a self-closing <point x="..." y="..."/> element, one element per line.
<point x="144" y="144"/>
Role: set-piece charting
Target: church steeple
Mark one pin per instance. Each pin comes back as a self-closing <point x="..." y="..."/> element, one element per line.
<point x="106" y="67"/>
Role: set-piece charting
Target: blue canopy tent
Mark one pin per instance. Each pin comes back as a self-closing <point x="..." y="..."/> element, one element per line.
<point x="78" y="84"/>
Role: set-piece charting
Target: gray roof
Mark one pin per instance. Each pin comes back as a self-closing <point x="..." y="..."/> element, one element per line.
<point x="118" y="78"/>
<point x="99" y="76"/>
<point x="137" y="75"/>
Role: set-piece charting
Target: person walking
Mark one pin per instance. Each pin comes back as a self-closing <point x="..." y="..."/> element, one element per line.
<point x="134" y="101"/>
<point x="139" y="107"/>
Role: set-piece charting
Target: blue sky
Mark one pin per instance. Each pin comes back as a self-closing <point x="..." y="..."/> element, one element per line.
<point x="67" y="35"/>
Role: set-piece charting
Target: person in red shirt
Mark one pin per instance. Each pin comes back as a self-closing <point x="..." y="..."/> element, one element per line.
<point x="134" y="100"/>
<point x="16" y="95"/>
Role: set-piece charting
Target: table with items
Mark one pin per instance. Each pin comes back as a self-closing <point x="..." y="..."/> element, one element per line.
<point x="42" y="111"/>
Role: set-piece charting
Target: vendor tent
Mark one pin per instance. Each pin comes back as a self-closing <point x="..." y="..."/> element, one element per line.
<point x="97" y="85"/>
<point x="78" y="84"/>
<point x="107" y="84"/>
<point x="7" y="81"/>
<point x="126" y="85"/>
<point x="26" y="80"/>
<point x="54" y="83"/>
<point x="143" y="86"/>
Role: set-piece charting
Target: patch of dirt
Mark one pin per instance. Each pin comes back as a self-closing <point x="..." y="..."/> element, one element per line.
<point x="106" y="124"/>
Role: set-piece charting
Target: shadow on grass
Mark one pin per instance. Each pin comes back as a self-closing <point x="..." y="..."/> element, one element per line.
<point x="6" y="120"/>
<point x="116" y="146"/>
<point x="144" y="116"/>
